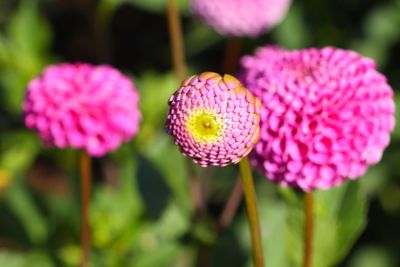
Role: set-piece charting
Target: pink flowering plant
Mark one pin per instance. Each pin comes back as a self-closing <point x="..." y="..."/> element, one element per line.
<point x="83" y="107"/>
<point x="215" y="121"/>
<point x="327" y="114"/>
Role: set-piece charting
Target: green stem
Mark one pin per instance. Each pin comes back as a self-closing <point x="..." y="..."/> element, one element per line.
<point x="86" y="174"/>
<point x="252" y="214"/>
<point x="309" y="229"/>
<point x="176" y="39"/>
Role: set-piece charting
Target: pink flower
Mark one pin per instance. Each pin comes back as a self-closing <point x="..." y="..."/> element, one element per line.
<point x="241" y="17"/>
<point x="213" y="119"/>
<point x="327" y="114"/>
<point x="82" y="106"/>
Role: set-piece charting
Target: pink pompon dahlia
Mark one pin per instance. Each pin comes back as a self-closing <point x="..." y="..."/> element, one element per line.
<point x="213" y="119"/>
<point x="82" y="106"/>
<point x="241" y="18"/>
<point x="327" y="114"/>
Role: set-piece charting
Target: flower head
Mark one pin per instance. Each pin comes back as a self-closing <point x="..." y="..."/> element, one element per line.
<point x="82" y="106"/>
<point x="241" y="17"/>
<point x="213" y="119"/>
<point x="327" y="114"/>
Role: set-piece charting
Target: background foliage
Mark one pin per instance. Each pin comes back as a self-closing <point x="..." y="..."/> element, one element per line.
<point x="141" y="212"/>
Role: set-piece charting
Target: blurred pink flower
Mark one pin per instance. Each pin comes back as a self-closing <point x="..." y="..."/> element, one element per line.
<point x="241" y="17"/>
<point x="213" y="119"/>
<point x="327" y="114"/>
<point x="82" y="106"/>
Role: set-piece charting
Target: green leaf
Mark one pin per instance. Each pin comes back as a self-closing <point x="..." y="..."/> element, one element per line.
<point x="154" y="90"/>
<point x="381" y="30"/>
<point x="38" y="259"/>
<point x="33" y="259"/>
<point x="396" y="132"/>
<point x="25" y="208"/>
<point x="149" y="5"/>
<point x="18" y="151"/>
<point x="382" y="22"/>
<point x="372" y="256"/>
<point x="340" y="219"/>
<point x="117" y="211"/>
<point x="24" y="52"/>
<point x="173" y="223"/>
<point x="293" y="32"/>
<point x="109" y="220"/>
<point x="199" y="38"/>
<point x="171" y="163"/>
<point x="159" y="5"/>
<point x="28" y="31"/>
<point x="281" y="228"/>
<point x="163" y="256"/>
<point x="11" y="259"/>
<point x="70" y="255"/>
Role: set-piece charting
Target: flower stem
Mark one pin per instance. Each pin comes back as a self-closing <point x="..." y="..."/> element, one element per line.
<point x="232" y="55"/>
<point x="85" y="165"/>
<point x="309" y="228"/>
<point x="231" y="205"/>
<point x="176" y="39"/>
<point x="252" y="215"/>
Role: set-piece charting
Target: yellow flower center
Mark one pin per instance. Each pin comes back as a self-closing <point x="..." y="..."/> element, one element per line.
<point x="204" y="126"/>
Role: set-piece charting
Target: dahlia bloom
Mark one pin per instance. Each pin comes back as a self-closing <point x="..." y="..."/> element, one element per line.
<point x="327" y="114"/>
<point x="82" y="106"/>
<point x="213" y="119"/>
<point x="241" y="17"/>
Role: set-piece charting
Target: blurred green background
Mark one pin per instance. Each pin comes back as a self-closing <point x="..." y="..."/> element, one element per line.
<point x="141" y="211"/>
